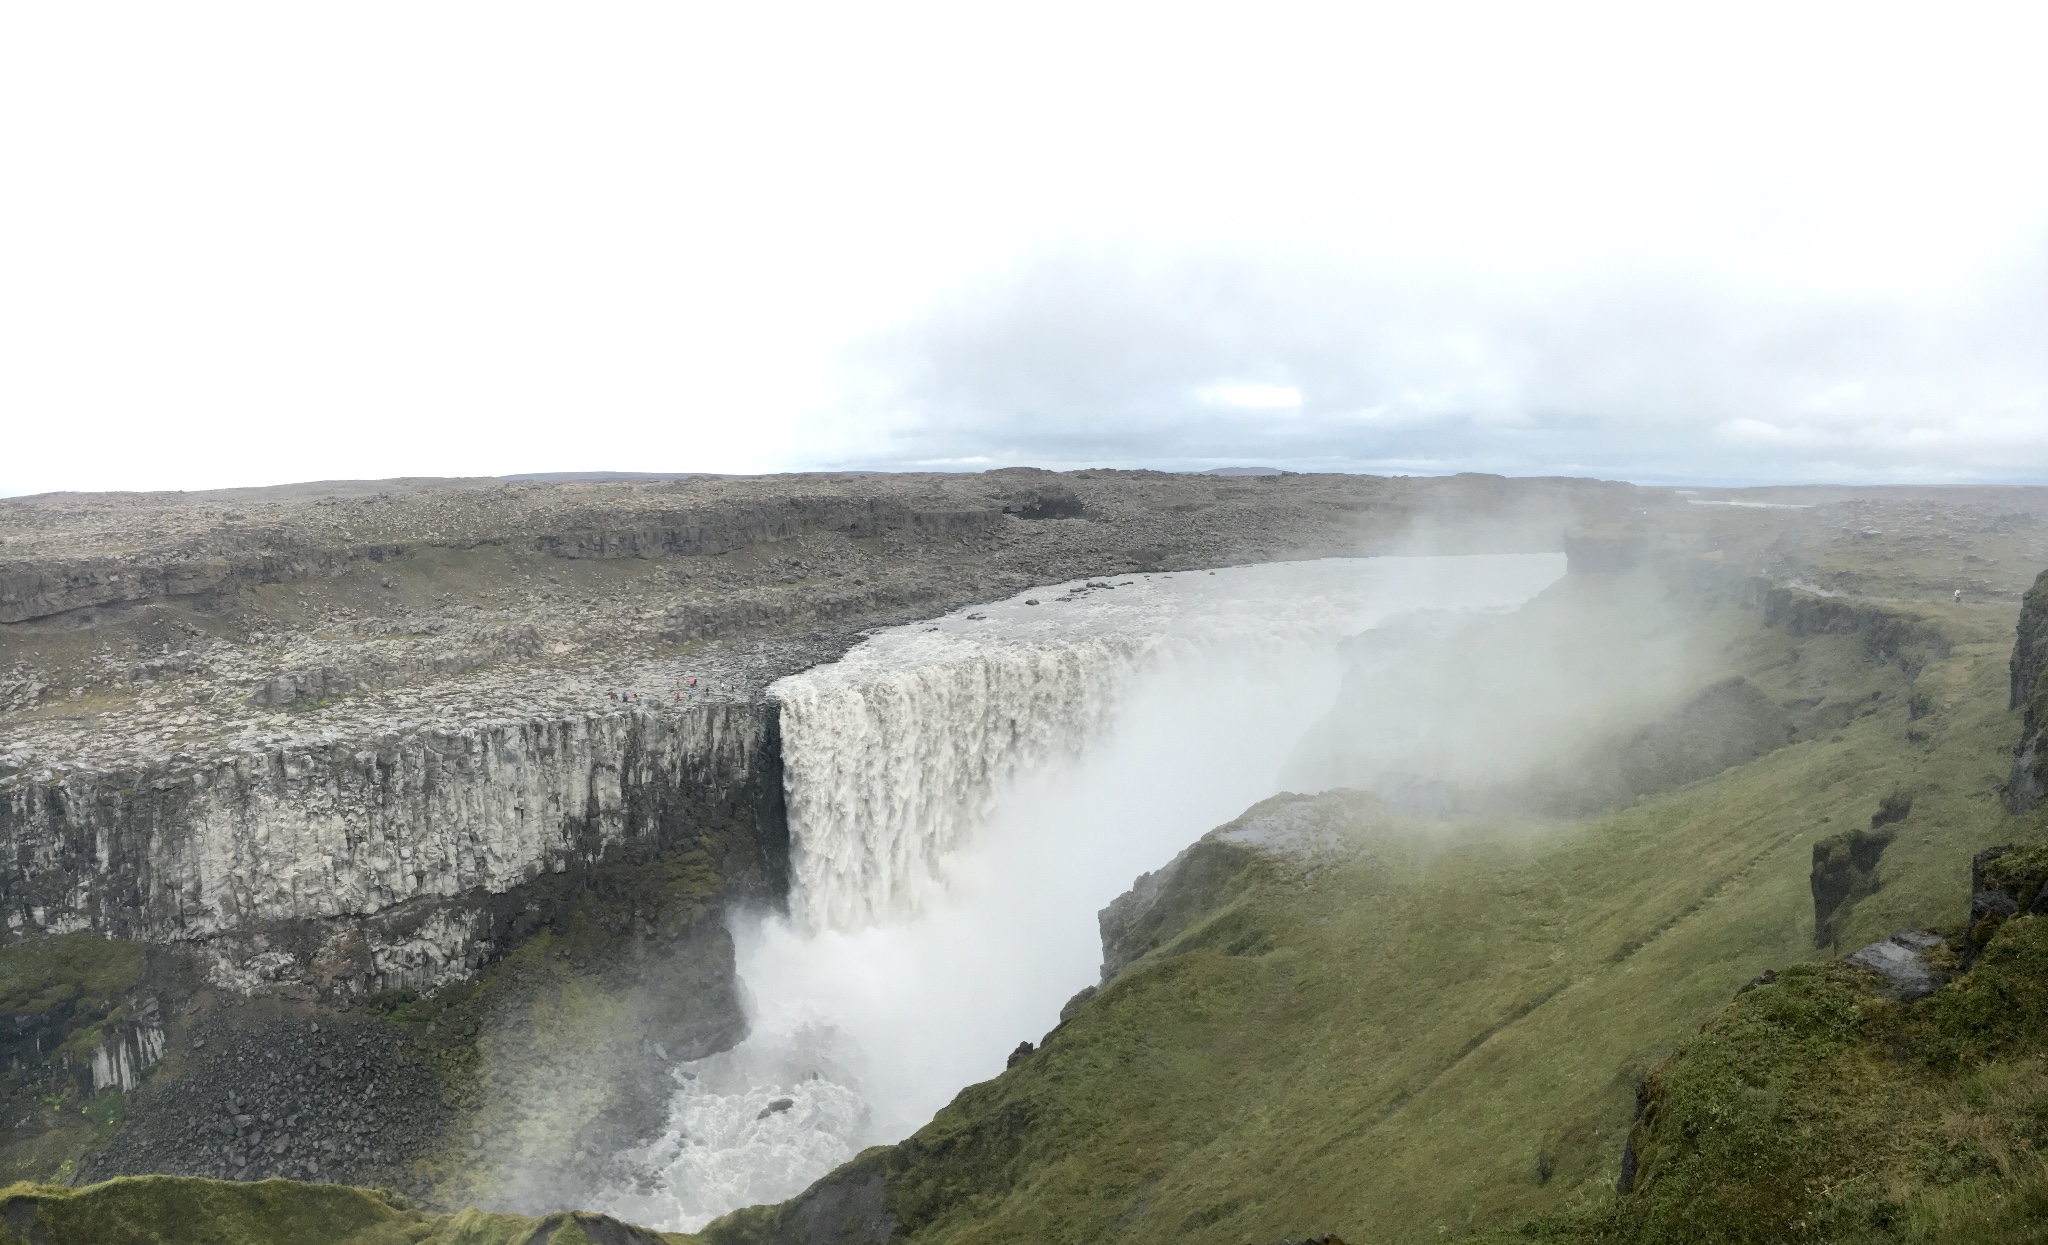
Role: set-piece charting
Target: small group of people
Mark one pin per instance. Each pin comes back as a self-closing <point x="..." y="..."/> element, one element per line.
<point x="686" y="690"/>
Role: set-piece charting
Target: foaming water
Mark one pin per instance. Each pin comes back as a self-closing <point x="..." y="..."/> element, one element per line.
<point x="965" y="795"/>
<point x="751" y="1125"/>
<point x="895" y="755"/>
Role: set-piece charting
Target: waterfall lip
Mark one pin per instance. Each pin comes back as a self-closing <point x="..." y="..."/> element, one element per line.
<point x="1183" y="604"/>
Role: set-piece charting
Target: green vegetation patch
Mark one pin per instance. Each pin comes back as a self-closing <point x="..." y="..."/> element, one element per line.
<point x="175" y="1210"/>
<point x="1813" y="1108"/>
<point x="76" y="980"/>
<point x="59" y="1000"/>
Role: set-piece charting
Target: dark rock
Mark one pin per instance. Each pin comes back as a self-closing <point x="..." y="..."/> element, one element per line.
<point x="1120" y="922"/>
<point x="1904" y="639"/>
<point x="1845" y="866"/>
<point x="2029" y="781"/>
<point x="1073" y="1005"/>
<point x="2004" y="882"/>
<point x="775" y="1108"/>
<point x="594" y="1228"/>
<point x="1045" y="501"/>
<point x="1763" y="978"/>
<point x="1024" y="1051"/>
<point x="1901" y="961"/>
<point x="848" y="1207"/>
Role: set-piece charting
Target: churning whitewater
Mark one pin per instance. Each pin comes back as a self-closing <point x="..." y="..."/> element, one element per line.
<point x="964" y="794"/>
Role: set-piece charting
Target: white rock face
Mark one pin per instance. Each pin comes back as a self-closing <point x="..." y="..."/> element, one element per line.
<point x="318" y="835"/>
<point x="119" y="1062"/>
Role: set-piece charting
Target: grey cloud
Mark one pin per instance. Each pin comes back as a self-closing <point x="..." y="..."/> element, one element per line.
<point x="1093" y="360"/>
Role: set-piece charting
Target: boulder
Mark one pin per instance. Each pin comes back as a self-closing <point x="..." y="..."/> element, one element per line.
<point x="1901" y="960"/>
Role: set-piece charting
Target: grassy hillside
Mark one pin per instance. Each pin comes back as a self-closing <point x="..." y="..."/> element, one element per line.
<point x="1816" y="1108"/>
<point x="1422" y="1029"/>
<point x="176" y="1210"/>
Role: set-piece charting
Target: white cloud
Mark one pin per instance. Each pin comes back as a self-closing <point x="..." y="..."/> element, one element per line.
<point x="1252" y="397"/>
<point x="245" y="243"/>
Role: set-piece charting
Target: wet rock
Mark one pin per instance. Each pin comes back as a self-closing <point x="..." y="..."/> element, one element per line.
<point x="1901" y="961"/>
<point x="776" y="1108"/>
<point x="1845" y="866"/>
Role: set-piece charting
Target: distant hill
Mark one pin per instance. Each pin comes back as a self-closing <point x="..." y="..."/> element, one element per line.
<point x="573" y="477"/>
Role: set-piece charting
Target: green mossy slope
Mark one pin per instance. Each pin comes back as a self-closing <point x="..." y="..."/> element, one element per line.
<point x="175" y="1210"/>
<point x="59" y="997"/>
<point x="1815" y="1108"/>
<point x="1443" y="1028"/>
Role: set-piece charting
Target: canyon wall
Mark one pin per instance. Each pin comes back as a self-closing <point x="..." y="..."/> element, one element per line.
<point x="2029" y="780"/>
<point x="362" y="866"/>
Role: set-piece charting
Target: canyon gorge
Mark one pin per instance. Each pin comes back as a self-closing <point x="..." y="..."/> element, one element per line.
<point x="658" y="847"/>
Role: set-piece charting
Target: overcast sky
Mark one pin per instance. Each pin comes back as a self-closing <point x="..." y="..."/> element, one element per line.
<point x="1723" y="244"/>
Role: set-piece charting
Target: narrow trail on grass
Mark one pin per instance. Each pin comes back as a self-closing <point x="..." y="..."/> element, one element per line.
<point x="964" y="795"/>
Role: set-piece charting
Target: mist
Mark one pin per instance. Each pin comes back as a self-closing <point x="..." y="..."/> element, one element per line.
<point x="863" y="1030"/>
<point x="1653" y="372"/>
<point x="1605" y="688"/>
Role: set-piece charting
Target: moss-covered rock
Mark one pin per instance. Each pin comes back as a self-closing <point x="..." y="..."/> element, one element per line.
<point x="1845" y="866"/>
<point x="1815" y="1108"/>
<point x="2029" y="781"/>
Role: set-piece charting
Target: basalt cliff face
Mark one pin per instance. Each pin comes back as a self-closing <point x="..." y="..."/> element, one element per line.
<point x="379" y="864"/>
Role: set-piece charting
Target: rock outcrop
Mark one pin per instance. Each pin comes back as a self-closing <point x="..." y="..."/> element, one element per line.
<point x="2029" y="781"/>
<point x="1845" y="866"/>
<point x="2005" y="882"/>
<point x="1902" y="961"/>
<point x="1889" y="634"/>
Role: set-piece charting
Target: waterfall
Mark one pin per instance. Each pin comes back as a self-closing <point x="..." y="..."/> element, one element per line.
<point x="894" y="755"/>
<point x="887" y="770"/>
<point x="963" y="795"/>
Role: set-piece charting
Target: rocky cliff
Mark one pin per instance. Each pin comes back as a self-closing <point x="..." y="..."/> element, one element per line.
<point x="2029" y="781"/>
<point x="376" y="864"/>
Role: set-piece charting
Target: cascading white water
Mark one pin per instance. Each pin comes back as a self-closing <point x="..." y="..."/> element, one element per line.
<point x="895" y="753"/>
<point x="888" y="767"/>
<point x="964" y="794"/>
